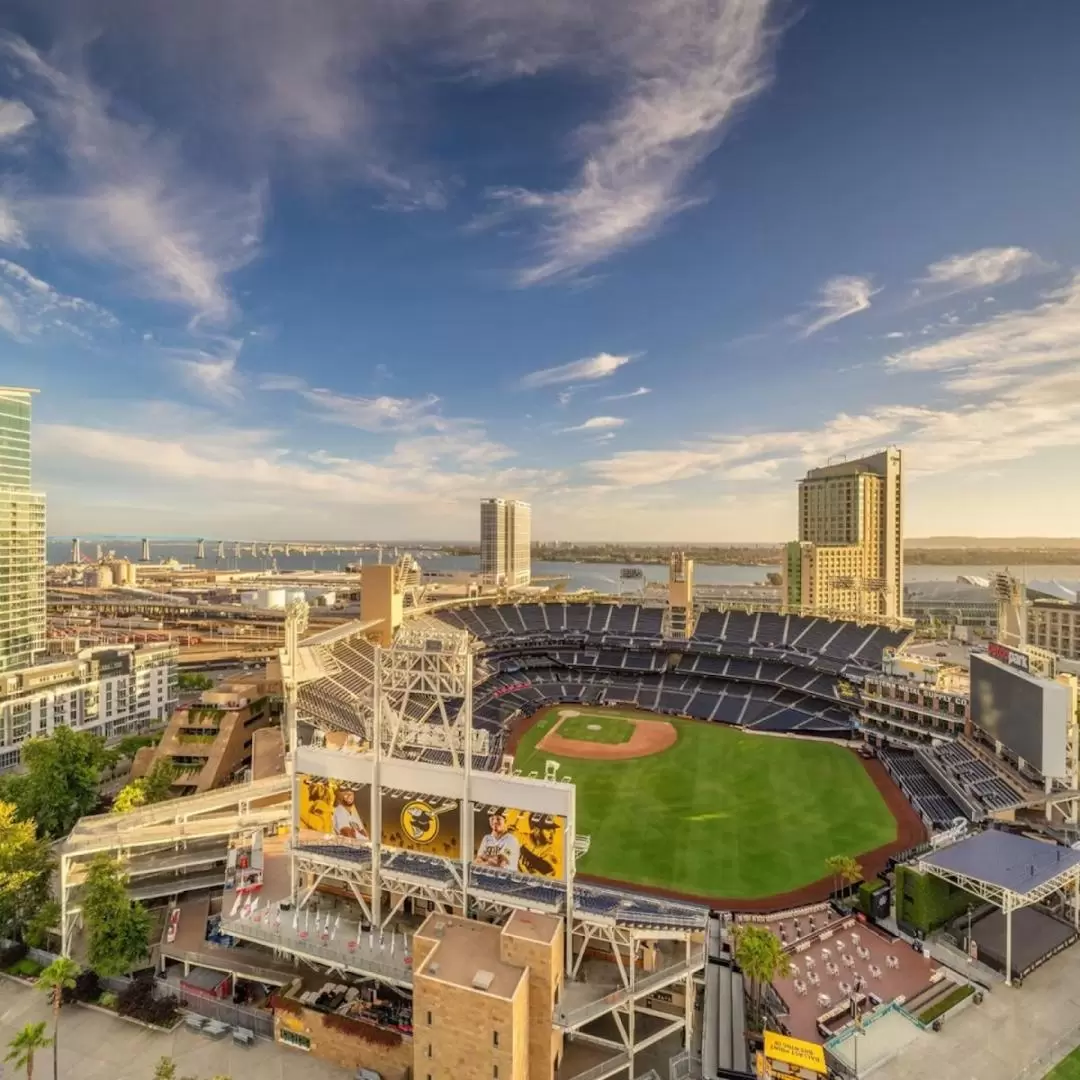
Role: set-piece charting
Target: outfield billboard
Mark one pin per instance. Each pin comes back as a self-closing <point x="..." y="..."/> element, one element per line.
<point x="1027" y="714"/>
<point x="504" y="838"/>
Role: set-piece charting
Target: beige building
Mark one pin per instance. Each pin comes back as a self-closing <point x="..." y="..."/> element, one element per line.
<point x="505" y="542"/>
<point x="483" y="998"/>
<point x="1055" y="625"/>
<point x="849" y="557"/>
<point x="210" y="742"/>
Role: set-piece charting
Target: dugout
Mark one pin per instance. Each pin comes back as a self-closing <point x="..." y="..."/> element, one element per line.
<point x="1014" y="873"/>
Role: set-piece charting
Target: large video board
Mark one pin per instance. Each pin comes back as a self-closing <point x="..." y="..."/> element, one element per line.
<point x="1029" y="715"/>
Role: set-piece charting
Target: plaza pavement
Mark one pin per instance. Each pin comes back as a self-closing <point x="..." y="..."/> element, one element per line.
<point x="1016" y="1034"/>
<point x="98" y="1047"/>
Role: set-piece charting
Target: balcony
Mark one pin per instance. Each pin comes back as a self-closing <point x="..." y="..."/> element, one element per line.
<point x="348" y="948"/>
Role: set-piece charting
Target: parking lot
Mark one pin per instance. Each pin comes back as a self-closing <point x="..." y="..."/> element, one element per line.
<point x="98" y="1047"/>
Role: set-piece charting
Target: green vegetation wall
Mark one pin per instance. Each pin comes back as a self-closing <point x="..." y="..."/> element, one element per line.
<point x="924" y="902"/>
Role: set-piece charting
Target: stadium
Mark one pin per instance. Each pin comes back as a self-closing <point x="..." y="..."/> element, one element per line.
<point x="586" y="796"/>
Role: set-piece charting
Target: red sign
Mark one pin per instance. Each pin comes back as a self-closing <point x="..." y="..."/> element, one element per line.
<point x="1008" y="656"/>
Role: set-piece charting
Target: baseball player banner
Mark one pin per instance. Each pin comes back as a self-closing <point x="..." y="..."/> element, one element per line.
<point x="504" y="838"/>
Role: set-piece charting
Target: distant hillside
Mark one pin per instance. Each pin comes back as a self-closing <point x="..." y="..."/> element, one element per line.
<point x="994" y="543"/>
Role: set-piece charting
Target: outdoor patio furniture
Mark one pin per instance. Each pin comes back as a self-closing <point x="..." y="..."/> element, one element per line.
<point x="824" y="1000"/>
<point x="845" y="988"/>
<point x="195" y="1023"/>
<point x="243" y="1036"/>
<point x="892" y="962"/>
<point x="826" y="953"/>
<point x="848" y="959"/>
<point x="215" y="1029"/>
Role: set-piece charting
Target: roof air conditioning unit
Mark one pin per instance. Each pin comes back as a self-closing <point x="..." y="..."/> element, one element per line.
<point x="482" y="980"/>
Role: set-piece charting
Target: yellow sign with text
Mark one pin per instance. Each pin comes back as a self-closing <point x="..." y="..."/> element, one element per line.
<point x="805" y="1055"/>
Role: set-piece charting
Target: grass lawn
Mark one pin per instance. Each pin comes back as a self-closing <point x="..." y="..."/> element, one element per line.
<point x="722" y="813"/>
<point x="611" y="728"/>
<point x="1066" y="1069"/>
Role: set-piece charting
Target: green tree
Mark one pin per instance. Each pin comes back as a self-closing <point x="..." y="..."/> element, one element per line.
<point x="25" y="866"/>
<point x="117" y="928"/>
<point x="166" y="1070"/>
<point x="26" y="1044"/>
<point x="192" y="680"/>
<point x="59" y="976"/>
<point x="155" y="787"/>
<point x="844" y="870"/>
<point x="761" y="956"/>
<point x="38" y="927"/>
<point x="60" y="784"/>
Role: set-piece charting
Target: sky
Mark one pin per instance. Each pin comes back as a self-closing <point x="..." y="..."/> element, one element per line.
<point x="340" y="270"/>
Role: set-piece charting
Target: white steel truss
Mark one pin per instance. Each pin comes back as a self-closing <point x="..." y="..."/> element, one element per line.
<point x="1008" y="900"/>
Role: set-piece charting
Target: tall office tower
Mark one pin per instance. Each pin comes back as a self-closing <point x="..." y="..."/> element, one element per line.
<point x="518" y="543"/>
<point x="849" y="558"/>
<point x="493" y="541"/>
<point x="505" y="542"/>
<point x="22" y="538"/>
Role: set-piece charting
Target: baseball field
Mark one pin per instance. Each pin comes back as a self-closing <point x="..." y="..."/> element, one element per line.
<point x="705" y="809"/>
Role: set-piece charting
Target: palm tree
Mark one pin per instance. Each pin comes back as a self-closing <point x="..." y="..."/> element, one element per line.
<point x="59" y="976"/>
<point x="844" y="870"/>
<point x="761" y="956"/>
<point x="26" y="1044"/>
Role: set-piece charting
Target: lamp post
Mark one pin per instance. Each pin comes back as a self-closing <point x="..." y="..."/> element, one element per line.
<point x="967" y="943"/>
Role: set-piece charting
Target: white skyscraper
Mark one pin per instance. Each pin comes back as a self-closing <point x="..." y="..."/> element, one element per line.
<point x="22" y="538"/>
<point x="505" y="542"/>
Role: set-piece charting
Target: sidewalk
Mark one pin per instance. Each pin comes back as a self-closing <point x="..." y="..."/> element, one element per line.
<point x="97" y="1047"/>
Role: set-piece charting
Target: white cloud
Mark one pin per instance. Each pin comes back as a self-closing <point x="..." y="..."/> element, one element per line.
<point x="895" y="334"/>
<point x="593" y="367"/>
<point x="33" y="307"/>
<point x="381" y="413"/>
<point x="129" y="198"/>
<point x="15" y="117"/>
<point x="212" y="371"/>
<point x="270" y="381"/>
<point x="598" y="423"/>
<point x="987" y="266"/>
<point x="1011" y="341"/>
<point x="564" y="396"/>
<point x="192" y="453"/>
<point x="641" y="391"/>
<point x="682" y="69"/>
<point x="841" y="297"/>
<point x="11" y="230"/>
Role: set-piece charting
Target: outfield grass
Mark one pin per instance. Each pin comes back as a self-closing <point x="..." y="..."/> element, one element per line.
<point x="1066" y="1069"/>
<point x="722" y="813"/>
<point x="613" y="729"/>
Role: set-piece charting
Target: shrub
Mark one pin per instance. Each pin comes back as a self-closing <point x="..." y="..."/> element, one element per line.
<point x="12" y="954"/>
<point x="108" y="1000"/>
<point x="87" y="988"/>
<point x="139" y="1002"/>
<point x="26" y="968"/>
<point x="943" y="1005"/>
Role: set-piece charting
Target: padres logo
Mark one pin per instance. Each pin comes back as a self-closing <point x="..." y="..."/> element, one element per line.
<point x="419" y="822"/>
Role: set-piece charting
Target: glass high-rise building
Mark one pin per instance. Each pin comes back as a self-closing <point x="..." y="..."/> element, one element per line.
<point x="22" y="538"/>
<point x="505" y="542"/>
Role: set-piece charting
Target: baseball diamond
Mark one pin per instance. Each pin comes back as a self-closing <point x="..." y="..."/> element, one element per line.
<point x="719" y="813"/>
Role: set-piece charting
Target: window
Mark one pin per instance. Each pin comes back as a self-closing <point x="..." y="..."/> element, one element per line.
<point x="429" y="1049"/>
<point x="494" y="1038"/>
<point x="495" y="1072"/>
<point x="429" y="1018"/>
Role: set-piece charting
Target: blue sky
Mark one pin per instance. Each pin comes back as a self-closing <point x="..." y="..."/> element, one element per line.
<point x="343" y="269"/>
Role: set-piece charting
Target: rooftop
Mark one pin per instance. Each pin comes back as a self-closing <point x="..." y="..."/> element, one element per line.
<point x="466" y="954"/>
<point x="1005" y="860"/>
<point x="532" y="926"/>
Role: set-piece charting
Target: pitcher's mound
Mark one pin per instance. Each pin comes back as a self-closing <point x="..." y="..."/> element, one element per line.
<point x="648" y="737"/>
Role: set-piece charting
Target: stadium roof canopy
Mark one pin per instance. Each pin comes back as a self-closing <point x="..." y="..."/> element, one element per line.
<point x="1008" y="870"/>
<point x="1055" y="590"/>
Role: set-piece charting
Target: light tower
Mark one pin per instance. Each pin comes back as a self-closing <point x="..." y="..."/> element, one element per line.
<point x="145" y="557"/>
<point x="1011" y="609"/>
<point x="200" y="549"/>
<point x="221" y="549"/>
<point x="76" y="550"/>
